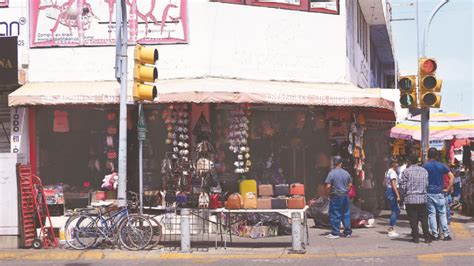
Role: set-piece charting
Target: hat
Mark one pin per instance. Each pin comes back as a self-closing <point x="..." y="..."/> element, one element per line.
<point x="337" y="159"/>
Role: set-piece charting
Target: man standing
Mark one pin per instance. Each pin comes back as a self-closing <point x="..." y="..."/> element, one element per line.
<point x="436" y="199"/>
<point x="393" y="196"/>
<point x="413" y="184"/>
<point x="338" y="183"/>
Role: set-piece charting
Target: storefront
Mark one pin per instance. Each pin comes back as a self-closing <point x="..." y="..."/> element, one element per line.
<point x="206" y="135"/>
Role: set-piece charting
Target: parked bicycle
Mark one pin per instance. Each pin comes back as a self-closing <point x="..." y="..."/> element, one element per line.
<point x="91" y="226"/>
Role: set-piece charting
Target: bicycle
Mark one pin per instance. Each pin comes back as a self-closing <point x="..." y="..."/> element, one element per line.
<point x="133" y="231"/>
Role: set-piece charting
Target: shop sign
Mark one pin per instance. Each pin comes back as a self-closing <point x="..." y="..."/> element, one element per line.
<point x="437" y="144"/>
<point x="8" y="60"/>
<point x="3" y="3"/>
<point x="19" y="130"/>
<point x="92" y="22"/>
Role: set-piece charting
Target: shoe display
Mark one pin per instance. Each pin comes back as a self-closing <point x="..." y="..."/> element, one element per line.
<point x="331" y="236"/>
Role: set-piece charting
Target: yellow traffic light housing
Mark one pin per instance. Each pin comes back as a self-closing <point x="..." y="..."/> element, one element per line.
<point x="407" y="86"/>
<point x="429" y="84"/>
<point x="144" y="72"/>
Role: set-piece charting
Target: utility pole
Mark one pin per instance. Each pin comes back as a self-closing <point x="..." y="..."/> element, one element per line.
<point x="425" y="112"/>
<point x="121" y="75"/>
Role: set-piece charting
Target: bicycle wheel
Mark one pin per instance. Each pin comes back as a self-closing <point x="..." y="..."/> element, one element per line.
<point x="135" y="232"/>
<point x="156" y="239"/>
<point x="81" y="231"/>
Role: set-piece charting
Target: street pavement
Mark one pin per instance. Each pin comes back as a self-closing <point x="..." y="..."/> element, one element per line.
<point x="367" y="246"/>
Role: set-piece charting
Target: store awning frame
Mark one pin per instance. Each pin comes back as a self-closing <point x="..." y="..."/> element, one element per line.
<point x="205" y="90"/>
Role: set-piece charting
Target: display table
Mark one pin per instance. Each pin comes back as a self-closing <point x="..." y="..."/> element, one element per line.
<point x="227" y="214"/>
<point x="284" y="212"/>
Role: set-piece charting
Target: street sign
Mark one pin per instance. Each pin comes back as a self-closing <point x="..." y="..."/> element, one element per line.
<point x="141" y="127"/>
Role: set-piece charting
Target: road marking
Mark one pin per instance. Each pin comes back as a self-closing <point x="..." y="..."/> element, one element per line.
<point x="438" y="257"/>
<point x="459" y="231"/>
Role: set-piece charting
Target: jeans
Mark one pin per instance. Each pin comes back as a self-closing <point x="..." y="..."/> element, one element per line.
<point x="339" y="211"/>
<point x="392" y="198"/>
<point x="449" y="200"/>
<point x="418" y="213"/>
<point x="437" y="205"/>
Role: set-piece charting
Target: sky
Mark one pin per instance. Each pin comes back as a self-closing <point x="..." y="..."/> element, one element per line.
<point x="449" y="42"/>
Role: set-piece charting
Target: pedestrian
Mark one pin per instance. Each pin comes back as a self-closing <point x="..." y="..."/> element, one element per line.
<point x="414" y="185"/>
<point x="338" y="183"/>
<point x="436" y="201"/>
<point x="402" y="165"/>
<point x="391" y="191"/>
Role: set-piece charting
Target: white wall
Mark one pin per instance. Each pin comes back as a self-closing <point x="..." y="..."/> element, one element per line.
<point x="225" y="40"/>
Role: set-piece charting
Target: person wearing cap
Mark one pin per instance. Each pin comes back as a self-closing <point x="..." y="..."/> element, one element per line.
<point x="436" y="198"/>
<point x="338" y="183"/>
<point x="413" y="184"/>
<point x="391" y="184"/>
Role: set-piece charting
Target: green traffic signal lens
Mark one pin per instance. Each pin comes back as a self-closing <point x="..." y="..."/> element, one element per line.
<point x="429" y="82"/>
<point x="406" y="100"/>
<point x="405" y="84"/>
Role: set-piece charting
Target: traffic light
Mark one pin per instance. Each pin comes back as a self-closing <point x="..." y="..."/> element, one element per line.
<point x="144" y="73"/>
<point x="429" y="85"/>
<point x="407" y="86"/>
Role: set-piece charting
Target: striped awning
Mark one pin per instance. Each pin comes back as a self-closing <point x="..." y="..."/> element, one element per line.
<point x="442" y="126"/>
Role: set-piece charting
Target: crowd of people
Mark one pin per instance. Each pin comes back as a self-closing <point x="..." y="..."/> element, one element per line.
<point x="424" y="191"/>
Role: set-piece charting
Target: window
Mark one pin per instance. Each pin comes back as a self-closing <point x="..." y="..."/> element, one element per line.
<point x="321" y="6"/>
<point x="3" y="3"/>
<point x="362" y="31"/>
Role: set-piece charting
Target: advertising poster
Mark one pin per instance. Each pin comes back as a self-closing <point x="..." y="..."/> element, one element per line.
<point x="92" y="22"/>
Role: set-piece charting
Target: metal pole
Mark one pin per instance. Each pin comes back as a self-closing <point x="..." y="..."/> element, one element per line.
<point x="296" y="246"/>
<point x="425" y="112"/>
<point x="122" y="156"/>
<point x="185" y="231"/>
<point x="140" y="159"/>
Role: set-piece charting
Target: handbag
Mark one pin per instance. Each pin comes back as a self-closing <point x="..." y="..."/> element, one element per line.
<point x="352" y="193"/>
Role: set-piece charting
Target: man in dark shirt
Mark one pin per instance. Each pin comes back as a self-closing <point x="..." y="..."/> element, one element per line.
<point x="436" y="199"/>
<point x="338" y="183"/>
<point x="413" y="184"/>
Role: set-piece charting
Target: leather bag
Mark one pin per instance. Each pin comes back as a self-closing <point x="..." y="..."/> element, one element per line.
<point x="282" y="190"/>
<point x="264" y="203"/>
<point x="297" y="189"/>
<point x="297" y="202"/>
<point x="250" y="201"/>
<point x="234" y="202"/>
<point x="265" y="190"/>
<point x="279" y="203"/>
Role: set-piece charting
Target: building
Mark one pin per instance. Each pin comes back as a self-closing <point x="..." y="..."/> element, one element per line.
<point x="334" y="49"/>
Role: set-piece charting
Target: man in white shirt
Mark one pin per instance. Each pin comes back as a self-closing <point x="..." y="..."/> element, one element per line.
<point x="391" y="181"/>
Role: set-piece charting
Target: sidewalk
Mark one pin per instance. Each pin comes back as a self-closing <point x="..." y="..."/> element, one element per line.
<point x="365" y="243"/>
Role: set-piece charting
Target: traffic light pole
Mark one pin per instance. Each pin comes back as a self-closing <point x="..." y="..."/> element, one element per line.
<point x="121" y="75"/>
<point x="425" y="112"/>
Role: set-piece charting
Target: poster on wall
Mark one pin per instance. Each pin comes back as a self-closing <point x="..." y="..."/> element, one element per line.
<point x="3" y="3"/>
<point x="331" y="6"/>
<point x="92" y="22"/>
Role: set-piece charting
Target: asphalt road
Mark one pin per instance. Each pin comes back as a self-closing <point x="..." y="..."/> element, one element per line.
<point x="367" y="247"/>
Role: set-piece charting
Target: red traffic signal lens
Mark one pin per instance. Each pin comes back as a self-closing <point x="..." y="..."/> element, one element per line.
<point x="407" y="100"/>
<point x="429" y="99"/>
<point x="428" y="66"/>
<point x="429" y="82"/>
<point x="405" y="84"/>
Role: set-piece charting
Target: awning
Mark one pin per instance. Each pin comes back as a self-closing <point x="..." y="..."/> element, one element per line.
<point x="205" y="90"/>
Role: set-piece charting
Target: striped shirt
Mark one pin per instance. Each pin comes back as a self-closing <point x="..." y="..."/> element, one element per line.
<point x="414" y="183"/>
